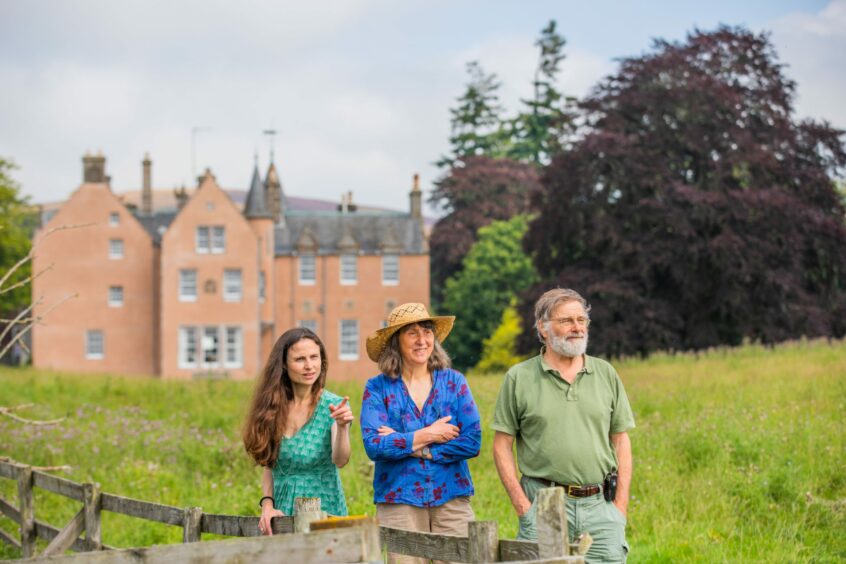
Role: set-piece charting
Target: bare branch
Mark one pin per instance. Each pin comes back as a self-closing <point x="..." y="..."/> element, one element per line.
<point x="62" y="468"/>
<point x="17" y="319"/>
<point x="38" y="319"/>
<point x="7" y="411"/>
<point x="31" y="252"/>
<point x="25" y="281"/>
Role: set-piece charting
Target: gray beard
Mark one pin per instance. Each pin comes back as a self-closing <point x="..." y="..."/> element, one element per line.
<point x="570" y="349"/>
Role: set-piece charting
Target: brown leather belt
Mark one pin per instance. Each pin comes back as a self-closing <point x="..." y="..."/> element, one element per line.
<point x="571" y="490"/>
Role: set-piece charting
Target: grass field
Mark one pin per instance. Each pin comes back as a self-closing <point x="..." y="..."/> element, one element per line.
<point x="727" y="449"/>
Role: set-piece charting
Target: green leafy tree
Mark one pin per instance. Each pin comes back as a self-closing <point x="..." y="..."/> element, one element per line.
<point x="16" y="218"/>
<point x="499" y="351"/>
<point x="476" y="123"/>
<point x="494" y="271"/>
<point x="538" y="131"/>
<point x="473" y="193"/>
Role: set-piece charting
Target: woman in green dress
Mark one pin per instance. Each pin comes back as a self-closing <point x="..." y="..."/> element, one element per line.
<point x="298" y="431"/>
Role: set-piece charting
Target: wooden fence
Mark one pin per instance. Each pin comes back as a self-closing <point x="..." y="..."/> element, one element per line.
<point x="481" y="545"/>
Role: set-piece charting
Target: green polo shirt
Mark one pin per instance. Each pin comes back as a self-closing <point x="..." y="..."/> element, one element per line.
<point x="563" y="429"/>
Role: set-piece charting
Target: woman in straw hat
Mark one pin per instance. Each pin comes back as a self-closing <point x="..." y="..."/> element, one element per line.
<point x="420" y="425"/>
<point x="297" y="430"/>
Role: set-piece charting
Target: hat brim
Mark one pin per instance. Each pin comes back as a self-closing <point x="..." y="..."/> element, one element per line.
<point x="378" y="340"/>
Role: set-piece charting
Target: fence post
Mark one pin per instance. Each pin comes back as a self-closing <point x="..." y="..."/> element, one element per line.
<point x="191" y="525"/>
<point x="27" y="512"/>
<point x="484" y="541"/>
<point x="553" y="538"/>
<point x="91" y="499"/>
<point x="306" y="510"/>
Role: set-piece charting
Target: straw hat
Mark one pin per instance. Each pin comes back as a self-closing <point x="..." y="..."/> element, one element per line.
<point x="402" y="315"/>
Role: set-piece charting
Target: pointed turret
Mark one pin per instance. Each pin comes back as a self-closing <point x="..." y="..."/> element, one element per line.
<point x="273" y="193"/>
<point x="256" y="207"/>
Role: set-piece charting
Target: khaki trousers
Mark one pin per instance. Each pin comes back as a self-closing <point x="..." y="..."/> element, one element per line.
<point x="450" y="518"/>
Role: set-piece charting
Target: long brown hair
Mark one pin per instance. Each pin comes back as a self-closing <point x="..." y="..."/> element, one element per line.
<point x="274" y="392"/>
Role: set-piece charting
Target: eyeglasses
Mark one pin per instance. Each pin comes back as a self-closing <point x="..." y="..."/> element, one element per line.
<point x="571" y="321"/>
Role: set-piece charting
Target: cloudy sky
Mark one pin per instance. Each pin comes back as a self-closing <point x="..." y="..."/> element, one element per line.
<point x="358" y="90"/>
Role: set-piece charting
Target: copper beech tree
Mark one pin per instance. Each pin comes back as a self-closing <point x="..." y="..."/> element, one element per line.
<point x="697" y="209"/>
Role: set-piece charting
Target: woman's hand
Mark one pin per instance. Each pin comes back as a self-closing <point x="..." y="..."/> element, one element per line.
<point x="342" y="414"/>
<point x="384" y="431"/>
<point x="268" y="513"/>
<point x="441" y="431"/>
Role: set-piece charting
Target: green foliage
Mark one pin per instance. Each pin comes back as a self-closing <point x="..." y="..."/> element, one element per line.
<point x="499" y="350"/>
<point x="15" y="227"/>
<point x="534" y="134"/>
<point x="476" y="124"/>
<point x="538" y="130"/>
<point x="771" y="420"/>
<point x="493" y="272"/>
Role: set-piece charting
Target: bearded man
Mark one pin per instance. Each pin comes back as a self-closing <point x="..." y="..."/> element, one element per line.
<point x="570" y="415"/>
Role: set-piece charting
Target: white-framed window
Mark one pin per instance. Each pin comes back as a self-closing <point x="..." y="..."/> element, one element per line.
<point x="218" y="240"/>
<point x="390" y="269"/>
<point x="114" y="219"/>
<point x="308" y="269"/>
<point x="310" y="324"/>
<point x="188" y="285"/>
<point x="349" y="268"/>
<point x="187" y="347"/>
<point x="349" y="339"/>
<point x="115" y="249"/>
<point x="115" y="296"/>
<point x="262" y="286"/>
<point x="234" y="348"/>
<point x="202" y="242"/>
<point x="232" y="285"/>
<point x="210" y="344"/>
<point x="95" y="346"/>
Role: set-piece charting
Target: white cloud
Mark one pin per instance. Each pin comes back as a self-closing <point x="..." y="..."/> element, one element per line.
<point x="813" y="47"/>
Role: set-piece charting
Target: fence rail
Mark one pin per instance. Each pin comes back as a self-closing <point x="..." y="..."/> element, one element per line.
<point x="481" y="545"/>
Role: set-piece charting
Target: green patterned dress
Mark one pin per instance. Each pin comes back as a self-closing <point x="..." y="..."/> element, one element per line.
<point x="304" y="467"/>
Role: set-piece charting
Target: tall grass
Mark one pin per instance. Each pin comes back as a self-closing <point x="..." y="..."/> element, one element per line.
<point x="729" y="446"/>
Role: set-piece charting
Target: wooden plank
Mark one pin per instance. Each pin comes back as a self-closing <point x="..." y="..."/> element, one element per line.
<point x="425" y="545"/>
<point x="552" y="523"/>
<point x="10" y="511"/>
<point x="243" y="526"/>
<point x="25" y="504"/>
<point x="142" y="509"/>
<point x="516" y="550"/>
<point x="48" y="533"/>
<point x="93" y="508"/>
<point x="340" y="522"/>
<point x="191" y="524"/>
<point x="354" y="544"/>
<point x="57" y="485"/>
<point x="64" y="540"/>
<point x="483" y="541"/>
<point x="559" y="560"/>
<point x="8" y="470"/>
<point x="8" y="539"/>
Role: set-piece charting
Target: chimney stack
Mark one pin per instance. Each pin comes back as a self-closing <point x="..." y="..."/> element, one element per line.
<point x="147" y="186"/>
<point x="94" y="168"/>
<point x="416" y="197"/>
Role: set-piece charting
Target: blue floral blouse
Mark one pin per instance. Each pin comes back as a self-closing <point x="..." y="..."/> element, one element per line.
<point x="400" y="477"/>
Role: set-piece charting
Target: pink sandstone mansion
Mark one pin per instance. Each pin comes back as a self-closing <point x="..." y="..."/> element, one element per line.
<point x="203" y="287"/>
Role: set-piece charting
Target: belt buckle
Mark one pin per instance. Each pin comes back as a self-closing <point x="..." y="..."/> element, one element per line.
<point x="571" y="489"/>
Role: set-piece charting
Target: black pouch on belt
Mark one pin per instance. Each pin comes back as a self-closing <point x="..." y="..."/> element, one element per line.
<point x="609" y="485"/>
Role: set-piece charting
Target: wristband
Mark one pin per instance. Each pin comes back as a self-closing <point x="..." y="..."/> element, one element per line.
<point x="261" y="502"/>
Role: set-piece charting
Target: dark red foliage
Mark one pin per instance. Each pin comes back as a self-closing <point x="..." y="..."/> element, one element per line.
<point x="696" y="210"/>
<point x="474" y="193"/>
